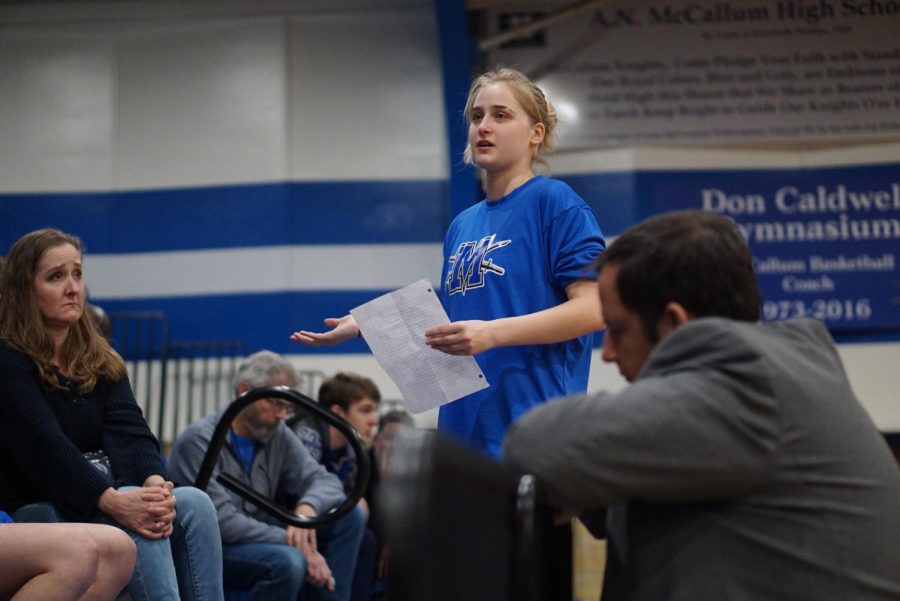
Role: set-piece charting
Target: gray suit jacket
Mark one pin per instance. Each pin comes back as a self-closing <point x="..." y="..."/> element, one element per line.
<point x="738" y="466"/>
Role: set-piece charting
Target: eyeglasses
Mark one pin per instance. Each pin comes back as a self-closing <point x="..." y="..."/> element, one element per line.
<point x="279" y="404"/>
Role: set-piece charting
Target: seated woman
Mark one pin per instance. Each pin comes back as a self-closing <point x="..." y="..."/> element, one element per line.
<point x="64" y="562"/>
<point x="74" y="439"/>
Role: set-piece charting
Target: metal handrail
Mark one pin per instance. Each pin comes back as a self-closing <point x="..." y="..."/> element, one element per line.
<point x="251" y="495"/>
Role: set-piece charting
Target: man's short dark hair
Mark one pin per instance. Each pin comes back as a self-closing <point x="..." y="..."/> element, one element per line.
<point x="345" y="388"/>
<point x="698" y="259"/>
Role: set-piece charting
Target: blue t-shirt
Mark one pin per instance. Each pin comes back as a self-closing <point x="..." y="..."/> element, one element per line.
<point x="244" y="449"/>
<point x="509" y="257"/>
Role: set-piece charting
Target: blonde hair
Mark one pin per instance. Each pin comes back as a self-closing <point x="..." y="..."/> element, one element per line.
<point x="87" y="354"/>
<point x="527" y="94"/>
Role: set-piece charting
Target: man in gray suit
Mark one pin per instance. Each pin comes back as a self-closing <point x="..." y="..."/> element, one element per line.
<point x="738" y="465"/>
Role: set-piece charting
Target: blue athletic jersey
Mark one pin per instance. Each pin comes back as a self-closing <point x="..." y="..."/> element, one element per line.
<point x="508" y="257"/>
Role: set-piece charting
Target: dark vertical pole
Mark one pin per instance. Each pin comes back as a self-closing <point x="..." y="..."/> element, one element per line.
<point x="219" y="395"/>
<point x="194" y="351"/>
<point x="152" y="327"/>
<point x="139" y="325"/>
<point x="124" y="350"/>
<point x="208" y="352"/>
<point x="458" y="57"/>
<point x="163" y="375"/>
<point x="176" y="399"/>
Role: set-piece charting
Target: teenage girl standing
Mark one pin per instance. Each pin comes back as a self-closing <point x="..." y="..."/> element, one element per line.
<point x="513" y="280"/>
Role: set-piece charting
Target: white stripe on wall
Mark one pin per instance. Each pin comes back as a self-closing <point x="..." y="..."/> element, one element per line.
<point x="267" y="269"/>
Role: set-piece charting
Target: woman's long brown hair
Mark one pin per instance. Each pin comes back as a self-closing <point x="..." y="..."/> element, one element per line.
<point x="87" y="354"/>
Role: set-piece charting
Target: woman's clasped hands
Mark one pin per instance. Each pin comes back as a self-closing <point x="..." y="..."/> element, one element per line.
<point x="148" y="510"/>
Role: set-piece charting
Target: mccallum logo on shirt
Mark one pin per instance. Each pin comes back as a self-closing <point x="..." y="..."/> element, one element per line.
<point x="469" y="264"/>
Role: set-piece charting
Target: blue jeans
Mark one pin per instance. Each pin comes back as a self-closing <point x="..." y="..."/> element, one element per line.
<point x="187" y="566"/>
<point x="274" y="571"/>
<point x="364" y="574"/>
<point x="38" y="513"/>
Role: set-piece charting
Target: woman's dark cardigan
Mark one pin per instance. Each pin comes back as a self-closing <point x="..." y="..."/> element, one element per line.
<point x="44" y="433"/>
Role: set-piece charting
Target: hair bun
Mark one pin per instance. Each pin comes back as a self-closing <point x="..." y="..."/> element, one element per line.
<point x="552" y="118"/>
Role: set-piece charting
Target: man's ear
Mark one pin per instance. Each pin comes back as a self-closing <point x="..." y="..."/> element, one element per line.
<point x="337" y="410"/>
<point x="673" y="315"/>
<point x="243" y="388"/>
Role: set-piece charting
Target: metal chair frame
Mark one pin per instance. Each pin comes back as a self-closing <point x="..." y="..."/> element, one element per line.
<point x="306" y="404"/>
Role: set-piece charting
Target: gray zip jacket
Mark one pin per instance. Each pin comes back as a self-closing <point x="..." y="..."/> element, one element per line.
<point x="282" y="469"/>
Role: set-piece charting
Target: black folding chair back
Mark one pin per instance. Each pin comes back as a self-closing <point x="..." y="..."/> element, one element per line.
<point x="304" y="403"/>
<point x="463" y="527"/>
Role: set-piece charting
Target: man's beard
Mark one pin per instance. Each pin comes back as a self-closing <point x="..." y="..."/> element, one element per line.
<point x="261" y="432"/>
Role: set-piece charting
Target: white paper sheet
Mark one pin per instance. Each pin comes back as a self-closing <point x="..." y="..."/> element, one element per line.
<point x="394" y="327"/>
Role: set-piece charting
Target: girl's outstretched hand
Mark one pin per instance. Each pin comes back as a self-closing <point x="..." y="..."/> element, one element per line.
<point x="342" y="328"/>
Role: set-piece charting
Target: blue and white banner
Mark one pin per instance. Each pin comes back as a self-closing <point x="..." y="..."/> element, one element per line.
<point x="826" y="241"/>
